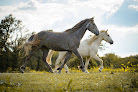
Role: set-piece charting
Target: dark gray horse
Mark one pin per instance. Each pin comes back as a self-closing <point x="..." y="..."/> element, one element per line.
<point x="68" y="40"/>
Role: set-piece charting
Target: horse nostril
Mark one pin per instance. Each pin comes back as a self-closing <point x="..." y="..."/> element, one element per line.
<point x="112" y="42"/>
<point x="97" y="33"/>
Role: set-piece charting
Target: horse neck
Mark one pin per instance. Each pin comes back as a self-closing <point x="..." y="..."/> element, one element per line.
<point x="98" y="41"/>
<point x="81" y="31"/>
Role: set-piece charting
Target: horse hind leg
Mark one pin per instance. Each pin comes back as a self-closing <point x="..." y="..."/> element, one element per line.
<point x="65" y="66"/>
<point x="48" y="58"/>
<point x="22" y="68"/>
<point x="45" y="53"/>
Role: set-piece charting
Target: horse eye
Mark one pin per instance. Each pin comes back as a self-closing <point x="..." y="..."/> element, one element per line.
<point x="108" y="35"/>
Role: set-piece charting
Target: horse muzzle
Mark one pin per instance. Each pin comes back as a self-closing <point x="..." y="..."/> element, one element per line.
<point x="97" y="34"/>
<point x="111" y="42"/>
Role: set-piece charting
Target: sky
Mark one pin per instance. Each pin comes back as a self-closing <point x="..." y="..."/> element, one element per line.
<point x="120" y="17"/>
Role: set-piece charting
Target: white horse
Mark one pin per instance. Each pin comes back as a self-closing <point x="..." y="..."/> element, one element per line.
<point x="88" y="48"/>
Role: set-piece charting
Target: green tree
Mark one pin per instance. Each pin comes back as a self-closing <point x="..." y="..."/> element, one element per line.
<point x="111" y="60"/>
<point x="10" y="39"/>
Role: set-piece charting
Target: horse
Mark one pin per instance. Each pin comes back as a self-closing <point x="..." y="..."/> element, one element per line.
<point x="87" y="49"/>
<point x="69" y="41"/>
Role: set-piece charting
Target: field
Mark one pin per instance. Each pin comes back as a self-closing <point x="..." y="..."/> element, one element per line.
<point x="110" y="80"/>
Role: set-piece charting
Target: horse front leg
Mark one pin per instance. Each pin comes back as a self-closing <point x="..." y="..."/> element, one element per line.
<point x="68" y="54"/>
<point x="81" y="60"/>
<point x="65" y="66"/>
<point x="86" y="64"/>
<point x="101" y="62"/>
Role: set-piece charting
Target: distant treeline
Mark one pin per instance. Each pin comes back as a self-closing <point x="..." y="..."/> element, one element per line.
<point x="12" y="56"/>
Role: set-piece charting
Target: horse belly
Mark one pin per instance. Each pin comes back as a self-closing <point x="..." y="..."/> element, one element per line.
<point x="84" y="53"/>
<point x="59" y="48"/>
<point x="56" y="42"/>
<point x="56" y="46"/>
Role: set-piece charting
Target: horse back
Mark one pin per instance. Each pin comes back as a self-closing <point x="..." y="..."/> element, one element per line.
<point x="54" y="40"/>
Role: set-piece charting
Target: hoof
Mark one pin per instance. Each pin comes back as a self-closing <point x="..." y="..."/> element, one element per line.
<point x="100" y="69"/>
<point x="55" y="71"/>
<point x="86" y="71"/>
<point x="59" y="71"/>
<point x="66" y="71"/>
<point x="22" y="69"/>
<point x="51" y="71"/>
<point x="82" y="68"/>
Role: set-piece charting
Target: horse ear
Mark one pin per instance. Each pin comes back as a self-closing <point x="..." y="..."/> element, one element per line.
<point x="107" y="30"/>
<point x="92" y="18"/>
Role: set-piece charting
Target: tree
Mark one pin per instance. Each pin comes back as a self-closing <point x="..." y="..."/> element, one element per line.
<point x="10" y="39"/>
<point x="112" y="60"/>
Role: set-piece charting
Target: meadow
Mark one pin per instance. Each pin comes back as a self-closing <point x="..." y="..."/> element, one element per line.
<point x="109" y="80"/>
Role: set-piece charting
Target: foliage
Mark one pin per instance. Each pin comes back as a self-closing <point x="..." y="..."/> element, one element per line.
<point x="10" y="39"/>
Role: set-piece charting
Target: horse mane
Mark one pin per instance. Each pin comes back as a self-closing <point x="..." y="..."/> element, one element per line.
<point x="90" y="41"/>
<point x="76" y="27"/>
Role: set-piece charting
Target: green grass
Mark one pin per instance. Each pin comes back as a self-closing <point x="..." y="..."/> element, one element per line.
<point x="72" y="82"/>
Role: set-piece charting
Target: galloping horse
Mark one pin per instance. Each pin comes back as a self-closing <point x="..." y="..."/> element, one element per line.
<point x="68" y="40"/>
<point x="88" y="49"/>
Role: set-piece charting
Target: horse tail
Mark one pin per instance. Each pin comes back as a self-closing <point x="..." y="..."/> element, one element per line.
<point x="31" y="38"/>
<point x="32" y="41"/>
<point x="48" y="58"/>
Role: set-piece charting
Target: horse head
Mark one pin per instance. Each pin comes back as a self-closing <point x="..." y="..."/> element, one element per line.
<point x="91" y="26"/>
<point x="107" y="37"/>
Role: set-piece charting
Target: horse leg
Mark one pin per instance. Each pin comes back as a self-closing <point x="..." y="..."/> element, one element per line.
<point x="57" y="63"/>
<point x="48" y="58"/>
<point x="81" y="60"/>
<point x="86" y="64"/>
<point x="68" y="54"/>
<point x="22" y="68"/>
<point x="45" y="53"/>
<point x="101" y="62"/>
<point x="62" y="56"/>
<point x="65" y="66"/>
<point x="58" y="60"/>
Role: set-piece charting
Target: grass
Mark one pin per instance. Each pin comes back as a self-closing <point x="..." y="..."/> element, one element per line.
<point x="75" y="81"/>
